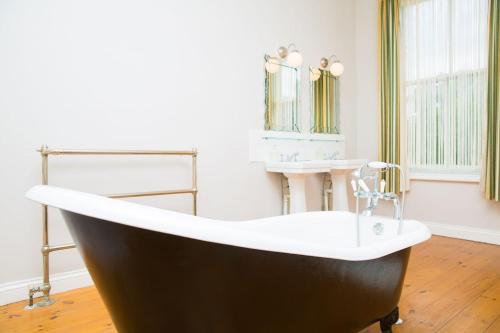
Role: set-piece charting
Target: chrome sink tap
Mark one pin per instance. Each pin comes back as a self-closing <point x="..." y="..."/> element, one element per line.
<point x="332" y="156"/>
<point x="289" y="157"/>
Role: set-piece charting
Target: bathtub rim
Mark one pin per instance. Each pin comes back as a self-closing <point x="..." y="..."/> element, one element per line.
<point x="215" y="231"/>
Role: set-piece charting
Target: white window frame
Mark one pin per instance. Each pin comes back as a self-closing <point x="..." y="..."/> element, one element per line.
<point x="463" y="174"/>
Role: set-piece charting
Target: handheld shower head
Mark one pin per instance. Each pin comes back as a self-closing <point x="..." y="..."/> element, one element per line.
<point x="379" y="165"/>
<point x="382" y="186"/>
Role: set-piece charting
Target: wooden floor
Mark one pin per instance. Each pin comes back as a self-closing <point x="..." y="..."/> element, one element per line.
<point x="451" y="286"/>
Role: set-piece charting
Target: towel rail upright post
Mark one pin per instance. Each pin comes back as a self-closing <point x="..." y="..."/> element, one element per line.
<point x="45" y="152"/>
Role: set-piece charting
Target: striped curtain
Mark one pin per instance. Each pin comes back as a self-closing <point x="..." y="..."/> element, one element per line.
<point x="325" y="104"/>
<point x="491" y="157"/>
<point x="390" y="115"/>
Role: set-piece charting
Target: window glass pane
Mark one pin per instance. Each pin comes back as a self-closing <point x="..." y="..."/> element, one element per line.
<point x="469" y="34"/>
<point x="444" y="46"/>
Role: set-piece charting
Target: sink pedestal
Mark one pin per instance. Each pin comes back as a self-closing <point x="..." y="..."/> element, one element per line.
<point x="297" y="185"/>
<point x="339" y="190"/>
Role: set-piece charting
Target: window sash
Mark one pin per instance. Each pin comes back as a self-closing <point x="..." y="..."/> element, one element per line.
<point x="444" y="88"/>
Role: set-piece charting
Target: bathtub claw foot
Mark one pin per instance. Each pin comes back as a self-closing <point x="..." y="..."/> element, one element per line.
<point x="389" y="320"/>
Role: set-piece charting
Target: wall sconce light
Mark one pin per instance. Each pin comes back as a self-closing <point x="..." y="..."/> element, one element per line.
<point x="290" y="54"/>
<point x="336" y="68"/>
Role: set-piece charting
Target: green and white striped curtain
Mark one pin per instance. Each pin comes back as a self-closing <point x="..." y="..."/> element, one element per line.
<point x="390" y="113"/>
<point x="491" y="157"/>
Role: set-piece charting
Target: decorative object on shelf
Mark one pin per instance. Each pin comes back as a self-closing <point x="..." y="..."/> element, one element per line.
<point x="325" y="107"/>
<point x="282" y="86"/>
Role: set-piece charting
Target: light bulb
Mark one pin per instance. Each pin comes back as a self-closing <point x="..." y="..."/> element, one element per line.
<point x="272" y="65"/>
<point x="314" y="74"/>
<point x="337" y="69"/>
<point x="294" y="59"/>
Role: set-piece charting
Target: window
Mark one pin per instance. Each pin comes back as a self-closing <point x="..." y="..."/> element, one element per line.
<point x="444" y="82"/>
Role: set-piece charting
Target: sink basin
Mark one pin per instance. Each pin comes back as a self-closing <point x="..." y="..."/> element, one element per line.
<point x="314" y="166"/>
<point x="298" y="167"/>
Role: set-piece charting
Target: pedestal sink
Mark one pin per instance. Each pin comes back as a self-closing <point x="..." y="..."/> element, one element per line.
<point x="296" y="173"/>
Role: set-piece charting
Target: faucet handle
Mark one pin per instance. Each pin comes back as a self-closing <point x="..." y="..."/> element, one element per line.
<point x="354" y="186"/>
<point x="382" y="185"/>
<point x="363" y="185"/>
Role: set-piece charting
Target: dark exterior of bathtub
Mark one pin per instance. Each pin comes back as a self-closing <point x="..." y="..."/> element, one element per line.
<point x="155" y="282"/>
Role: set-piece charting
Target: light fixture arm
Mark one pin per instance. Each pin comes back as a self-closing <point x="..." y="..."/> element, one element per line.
<point x="324" y="62"/>
<point x="284" y="51"/>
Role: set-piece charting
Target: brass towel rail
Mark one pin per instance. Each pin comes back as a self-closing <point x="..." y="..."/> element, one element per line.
<point x="45" y="152"/>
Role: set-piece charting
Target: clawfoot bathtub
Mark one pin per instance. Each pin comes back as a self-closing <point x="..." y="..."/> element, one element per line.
<point x="161" y="271"/>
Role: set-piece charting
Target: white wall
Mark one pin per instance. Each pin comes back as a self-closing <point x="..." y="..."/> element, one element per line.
<point x="157" y="74"/>
<point x="455" y="204"/>
<point x="148" y="74"/>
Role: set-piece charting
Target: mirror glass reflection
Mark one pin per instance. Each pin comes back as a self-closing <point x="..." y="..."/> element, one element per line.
<point x="325" y="106"/>
<point x="282" y="85"/>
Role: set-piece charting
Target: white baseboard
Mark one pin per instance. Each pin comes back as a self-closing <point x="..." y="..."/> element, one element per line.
<point x="16" y="291"/>
<point x="490" y="236"/>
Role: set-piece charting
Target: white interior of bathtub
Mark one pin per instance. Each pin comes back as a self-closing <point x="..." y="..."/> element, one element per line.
<point x="329" y="234"/>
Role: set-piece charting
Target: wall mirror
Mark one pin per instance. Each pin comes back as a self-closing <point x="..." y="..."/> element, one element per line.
<point x="282" y="91"/>
<point x="325" y="97"/>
